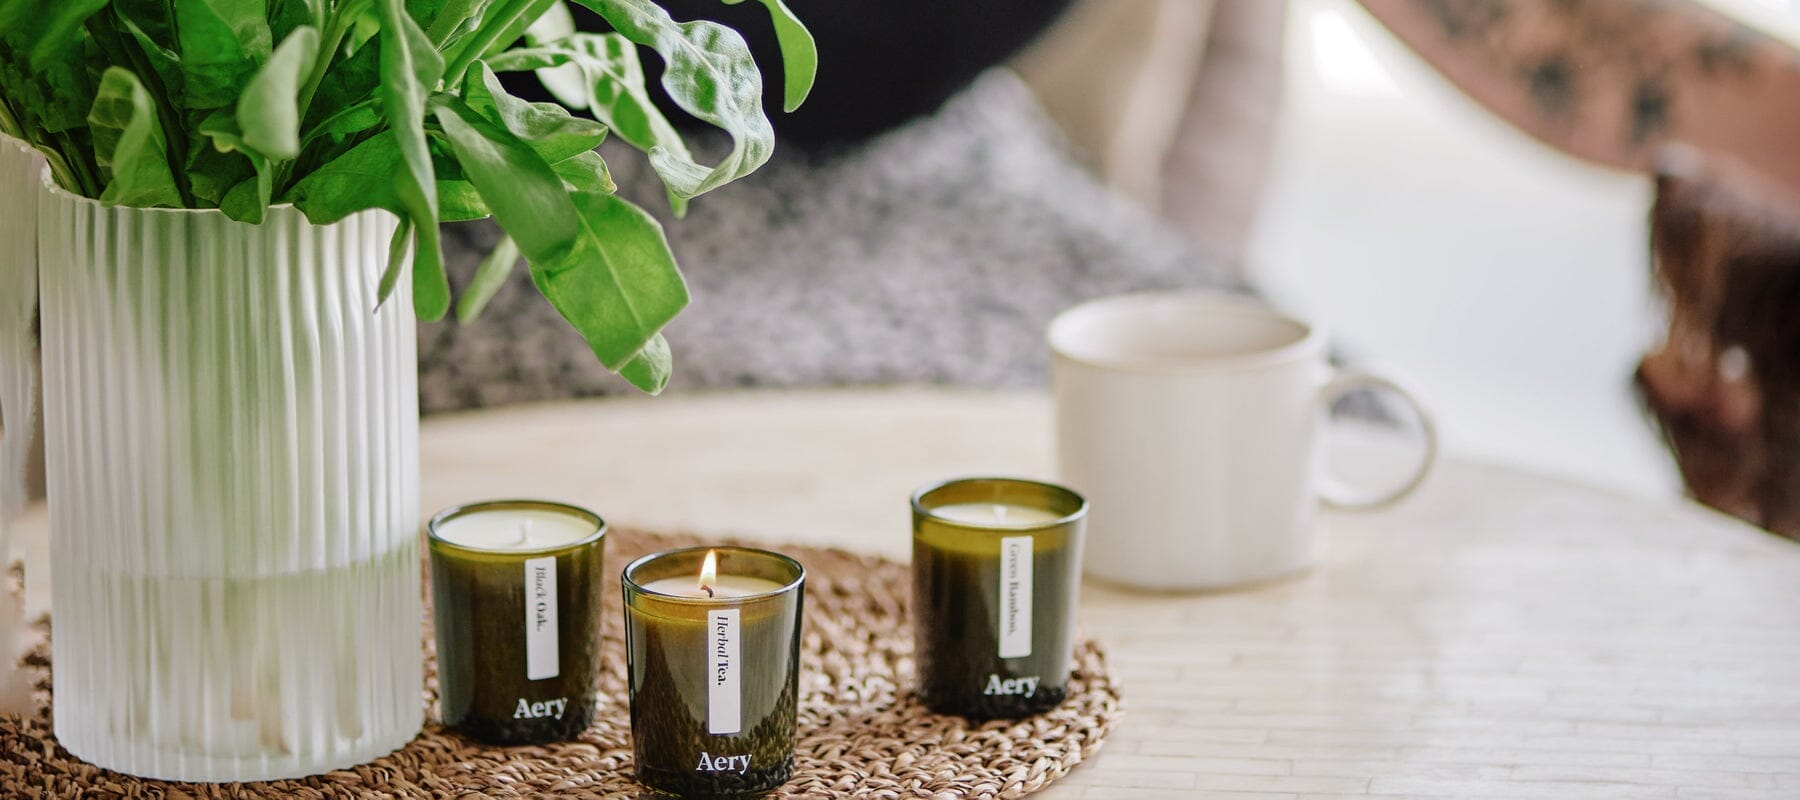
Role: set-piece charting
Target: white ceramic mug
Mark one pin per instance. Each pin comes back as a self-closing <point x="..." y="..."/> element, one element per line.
<point x="1191" y="420"/>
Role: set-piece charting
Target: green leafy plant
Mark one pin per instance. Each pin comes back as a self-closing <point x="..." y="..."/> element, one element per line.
<point x="341" y="106"/>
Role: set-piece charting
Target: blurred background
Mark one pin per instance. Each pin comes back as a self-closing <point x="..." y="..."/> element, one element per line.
<point x="1510" y="281"/>
<point x="1527" y="298"/>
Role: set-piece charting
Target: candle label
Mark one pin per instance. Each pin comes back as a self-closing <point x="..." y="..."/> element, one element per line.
<point x="1015" y="596"/>
<point x="712" y="763"/>
<point x="541" y="656"/>
<point x="723" y="703"/>
<point x="1022" y="686"/>
<point x="546" y="708"/>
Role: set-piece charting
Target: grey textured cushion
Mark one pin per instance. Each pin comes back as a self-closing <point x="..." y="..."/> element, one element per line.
<point x="933" y="254"/>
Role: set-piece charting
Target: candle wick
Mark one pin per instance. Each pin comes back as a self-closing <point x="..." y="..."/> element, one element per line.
<point x="524" y="531"/>
<point x="708" y="589"/>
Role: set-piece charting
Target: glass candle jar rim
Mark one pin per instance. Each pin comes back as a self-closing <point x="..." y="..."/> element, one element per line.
<point x="453" y="512"/>
<point x="631" y="581"/>
<point x="1081" y="503"/>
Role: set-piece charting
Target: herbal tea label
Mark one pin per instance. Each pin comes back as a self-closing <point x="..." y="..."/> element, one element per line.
<point x="541" y="652"/>
<point x="1015" y="596"/>
<point x="723" y="712"/>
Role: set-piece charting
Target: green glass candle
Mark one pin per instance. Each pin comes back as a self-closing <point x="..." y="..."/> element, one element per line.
<point x="516" y="595"/>
<point x="712" y="637"/>
<point x="996" y="580"/>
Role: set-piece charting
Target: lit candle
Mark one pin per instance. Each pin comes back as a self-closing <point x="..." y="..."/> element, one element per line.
<point x="516" y="595"/>
<point x="713" y="646"/>
<point x="710" y="584"/>
<point x="996" y="579"/>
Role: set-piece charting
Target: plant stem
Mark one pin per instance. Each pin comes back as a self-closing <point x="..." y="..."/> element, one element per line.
<point x="342" y="18"/>
<point x="445" y="24"/>
<point x="477" y="44"/>
<point x="9" y="122"/>
<point x="358" y="106"/>
<point x="65" y="176"/>
<point x="86" y="181"/>
<point x="174" y="133"/>
<point x="339" y="26"/>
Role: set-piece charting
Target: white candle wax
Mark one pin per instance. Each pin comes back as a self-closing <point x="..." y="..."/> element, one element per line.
<point x="995" y="515"/>
<point x="515" y="529"/>
<point x="723" y="586"/>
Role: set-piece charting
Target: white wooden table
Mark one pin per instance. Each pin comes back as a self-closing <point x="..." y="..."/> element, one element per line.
<point x="1498" y="635"/>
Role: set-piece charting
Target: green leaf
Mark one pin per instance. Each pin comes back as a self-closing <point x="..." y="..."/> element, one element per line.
<point x="799" y="53"/>
<point x="441" y="18"/>
<point x="547" y="127"/>
<point x="490" y="275"/>
<point x="410" y="69"/>
<point x="431" y="287"/>
<point x="602" y="262"/>
<point x="621" y="285"/>
<point x="709" y="73"/>
<point x="52" y="25"/>
<point x="248" y="200"/>
<point x="555" y="23"/>
<point x="614" y="90"/>
<point x="365" y="25"/>
<point x="350" y="81"/>
<point x="212" y="172"/>
<point x="585" y="172"/>
<point x="510" y="34"/>
<point x="221" y="43"/>
<point x="129" y="142"/>
<point x="151" y="24"/>
<point x="498" y="28"/>
<point x="347" y="120"/>
<point x="649" y="370"/>
<point x="566" y="83"/>
<point x="287" y="16"/>
<point x="43" y="63"/>
<point x="390" y="276"/>
<point x="459" y="202"/>
<point x="362" y="178"/>
<point x="268" y="112"/>
<point x="527" y="197"/>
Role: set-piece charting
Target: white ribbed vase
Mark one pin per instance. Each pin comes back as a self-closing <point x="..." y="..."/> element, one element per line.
<point x="232" y="445"/>
<point x="20" y="169"/>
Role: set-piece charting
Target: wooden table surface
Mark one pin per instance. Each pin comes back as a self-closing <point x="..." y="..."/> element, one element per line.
<point x="1499" y="634"/>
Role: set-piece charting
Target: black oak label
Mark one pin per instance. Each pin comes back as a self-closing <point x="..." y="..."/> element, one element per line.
<point x="542" y="659"/>
<point x="1015" y="596"/>
<point x="723" y="700"/>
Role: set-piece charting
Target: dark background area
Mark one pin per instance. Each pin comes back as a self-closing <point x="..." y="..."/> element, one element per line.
<point x="880" y="63"/>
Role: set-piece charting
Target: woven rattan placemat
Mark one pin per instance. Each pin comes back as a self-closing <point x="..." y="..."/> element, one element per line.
<point x="862" y="733"/>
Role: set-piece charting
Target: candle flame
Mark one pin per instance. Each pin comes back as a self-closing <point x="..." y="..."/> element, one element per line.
<point x="709" y="572"/>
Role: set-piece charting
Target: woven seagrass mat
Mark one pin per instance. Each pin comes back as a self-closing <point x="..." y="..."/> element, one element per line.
<point x="862" y="732"/>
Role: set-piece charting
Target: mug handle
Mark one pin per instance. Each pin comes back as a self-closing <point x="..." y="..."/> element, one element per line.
<point x="1338" y="494"/>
